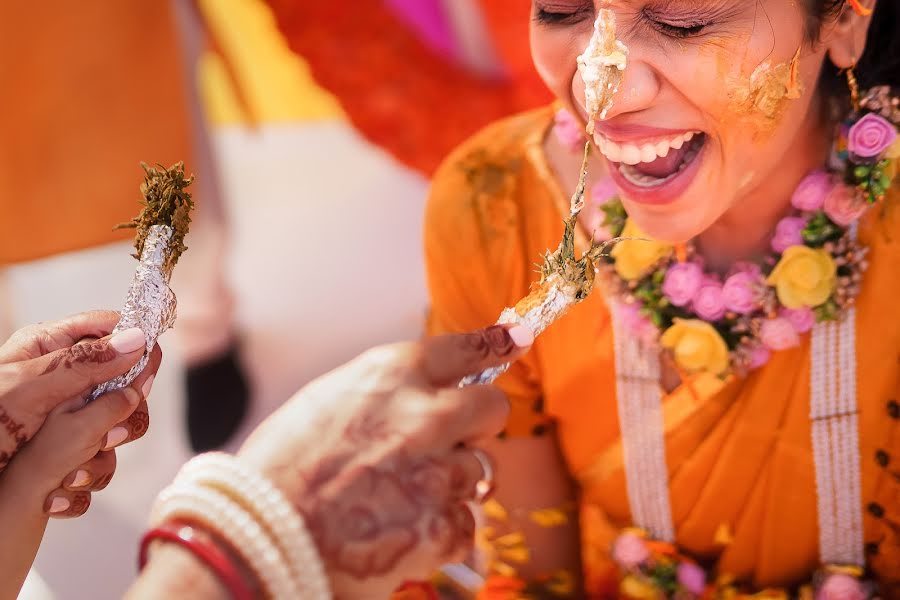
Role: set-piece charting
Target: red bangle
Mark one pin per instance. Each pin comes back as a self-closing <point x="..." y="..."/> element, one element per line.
<point x="209" y="553"/>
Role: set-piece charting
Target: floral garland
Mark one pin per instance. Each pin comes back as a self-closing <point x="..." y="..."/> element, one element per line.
<point x="732" y="324"/>
<point x="653" y="570"/>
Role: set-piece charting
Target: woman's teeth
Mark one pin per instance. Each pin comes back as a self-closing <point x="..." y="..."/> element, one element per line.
<point x="633" y="154"/>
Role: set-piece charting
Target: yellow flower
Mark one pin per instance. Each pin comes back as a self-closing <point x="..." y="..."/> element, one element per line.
<point x="637" y="588"/>
<point x="634" y="258"/>
<point x="891" y="169"/>
<point x="549" y="517"/>
<point x="894" y="150"/>
<point x="804" y="277"/>
<point x="561" y="583"/>
<point x="494" y="510"/>
<point x="697" y="346"/>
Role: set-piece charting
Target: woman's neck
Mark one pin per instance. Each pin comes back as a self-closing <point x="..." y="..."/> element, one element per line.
<point x="745" y="230"/>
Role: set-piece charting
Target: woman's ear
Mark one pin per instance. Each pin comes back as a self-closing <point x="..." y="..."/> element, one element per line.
<point x="845" y="38"/>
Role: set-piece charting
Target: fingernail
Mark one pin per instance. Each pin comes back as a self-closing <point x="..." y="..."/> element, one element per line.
<point x="521" y="336"/>
<point x="82" y="478"/>
<point x="59" y="504"/>
<point x="131" y="395"/>
<point x="128" y="341"/>
<point x="148" y="385"/>
<point x="115" y="437"/>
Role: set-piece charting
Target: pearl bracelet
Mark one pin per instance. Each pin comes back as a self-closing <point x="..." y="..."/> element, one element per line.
<point x="271" y="509"/>
<point x="218" y="513"/>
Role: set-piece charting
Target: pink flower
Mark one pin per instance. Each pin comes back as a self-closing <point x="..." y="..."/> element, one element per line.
<point x="692" y="578"/>
<point x="802" y="319"/>
<point x="810" y="194"/>
<point x="708" y="303"/>
<point x="636" y="323"/>
<point x="602" y="192"/>
<point x="788" y="232"/>
<point x="844" y="205"/>
<point x="569" y="131"/>
<point x="740" y="292"/>
<point x="743" y="266"/>
<point x="779" y="334"/>
<point x="759" y="357"/>
<point x="839" y="586"/>
<point x="682" y="283"/>
<point x="630" y="551"/>
<point x="710" y="279"/>
<point x="870" y="136"/>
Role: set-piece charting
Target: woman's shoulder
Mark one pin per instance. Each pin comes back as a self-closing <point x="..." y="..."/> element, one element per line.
<point x="501" y="142"/>
<point x="496" y="153"/>
<point x="476" y="190"/>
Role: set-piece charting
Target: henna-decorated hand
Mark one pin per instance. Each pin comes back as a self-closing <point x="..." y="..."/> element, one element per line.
<point x="46" y="373"/>
<point x="374" y="456"/>
<point x="49" y="438"/>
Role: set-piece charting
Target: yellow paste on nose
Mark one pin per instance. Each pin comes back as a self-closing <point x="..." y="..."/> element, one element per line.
<point x="601" y="67"/>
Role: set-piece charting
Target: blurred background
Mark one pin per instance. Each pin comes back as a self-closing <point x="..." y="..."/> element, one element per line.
<point x="312" y="128"/>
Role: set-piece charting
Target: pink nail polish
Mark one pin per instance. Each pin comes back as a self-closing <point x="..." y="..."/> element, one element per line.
<point x="115" y="437"/>
<point x="128" y="341"/>
<point x="148" y="385"/>
<point x="59" y="504"/>
<point x="82" y="478"/>
<point x="521" y="336"/>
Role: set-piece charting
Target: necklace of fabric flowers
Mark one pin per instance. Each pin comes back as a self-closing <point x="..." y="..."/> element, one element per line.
<point x="812" y="273"/>
<point x="732" y="324"/>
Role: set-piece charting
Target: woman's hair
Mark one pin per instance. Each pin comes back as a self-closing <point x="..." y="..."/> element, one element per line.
<point x="879" y="63"/>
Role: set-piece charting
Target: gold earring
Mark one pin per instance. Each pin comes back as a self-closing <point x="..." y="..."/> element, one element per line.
<point x="853" y="84"/>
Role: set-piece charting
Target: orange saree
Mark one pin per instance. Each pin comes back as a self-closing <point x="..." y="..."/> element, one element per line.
<point x="739" y="453"/>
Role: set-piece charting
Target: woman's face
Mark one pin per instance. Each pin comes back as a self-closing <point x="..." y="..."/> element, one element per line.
<point x="718" y="98"/>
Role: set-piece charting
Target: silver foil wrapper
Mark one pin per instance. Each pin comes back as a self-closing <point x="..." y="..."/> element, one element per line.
<point x="561" y="296"/>
<point x="150" y="304"/>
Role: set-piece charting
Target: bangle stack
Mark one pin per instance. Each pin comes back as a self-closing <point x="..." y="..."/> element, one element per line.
<point x="204" y="549"/>
<point x="253" y="517"/>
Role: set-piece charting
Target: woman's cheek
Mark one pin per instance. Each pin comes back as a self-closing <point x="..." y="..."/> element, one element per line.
<point x="555" y="61"/>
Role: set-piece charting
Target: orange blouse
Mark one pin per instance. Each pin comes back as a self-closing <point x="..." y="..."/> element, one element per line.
<point x="739" y="453"/>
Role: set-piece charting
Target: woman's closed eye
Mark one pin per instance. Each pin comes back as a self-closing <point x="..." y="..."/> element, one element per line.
<point x="561" y="12"/>
<point x="674" y="26"/>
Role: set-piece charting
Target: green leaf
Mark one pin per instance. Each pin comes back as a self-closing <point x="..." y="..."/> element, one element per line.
<point x="862" y="172"/>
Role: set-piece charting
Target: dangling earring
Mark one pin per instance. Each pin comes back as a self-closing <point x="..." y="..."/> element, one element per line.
<point x="860" y="9"/>
<point x="853" y="84"/>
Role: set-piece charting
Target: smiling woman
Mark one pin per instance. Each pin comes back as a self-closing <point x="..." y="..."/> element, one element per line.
<point x="728" y="391"/>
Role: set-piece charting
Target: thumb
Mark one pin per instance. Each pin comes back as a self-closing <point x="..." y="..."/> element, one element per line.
<point x="74" y="371"/>
<point x="447" y="359"/>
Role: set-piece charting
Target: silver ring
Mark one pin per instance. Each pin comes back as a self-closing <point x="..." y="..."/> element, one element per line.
<point x="484" y="487"/>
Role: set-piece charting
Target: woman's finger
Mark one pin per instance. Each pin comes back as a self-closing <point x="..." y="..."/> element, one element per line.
<point x="455" y="529"/>
<point x="136" y="424"/>
<point x="131" y="429"/>
<point x="93" y="475"/>
<point x="467" y="415"/>
<point x="98" y="423"/>
<point x="63" y="504"/>
<point x="37" y="340"/>
<point x="472" y="474"/>
<point x="447" y="359"/>
<point x="144" y="380"/>
<point x="74" y="371"/>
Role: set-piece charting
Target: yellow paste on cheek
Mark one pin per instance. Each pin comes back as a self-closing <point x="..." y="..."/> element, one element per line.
<point x="765" y="94"/>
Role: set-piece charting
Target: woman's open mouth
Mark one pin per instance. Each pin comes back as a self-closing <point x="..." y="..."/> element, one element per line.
<point x="657" y="171"/>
